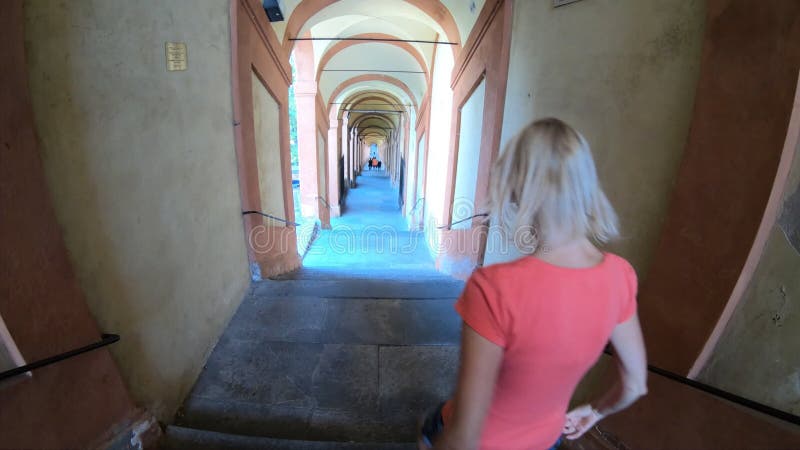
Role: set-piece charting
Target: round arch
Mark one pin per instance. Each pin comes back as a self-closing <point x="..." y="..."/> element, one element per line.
<point x="373" y="77"/>
<point x="367" y="116"/>
<point x="351" y="101"/>
<point x="434" y="9"/>
<point x="356" y="111"/>
<point x="384" y="120"/>
<point x="341" y="45"/>
<point x="389" y="99"/>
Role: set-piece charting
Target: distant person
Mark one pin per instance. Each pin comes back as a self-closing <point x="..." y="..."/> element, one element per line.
<point x="533" y="327"/>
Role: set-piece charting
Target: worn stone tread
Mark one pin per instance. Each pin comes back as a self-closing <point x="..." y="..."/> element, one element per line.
<point x="346" y="321"/>
<point x="286" y="422"/>
<point x="356" y="288"/>
<point x="345" y="353"/>
<point x="180" y="438"/>
<point x="322" y="391"/>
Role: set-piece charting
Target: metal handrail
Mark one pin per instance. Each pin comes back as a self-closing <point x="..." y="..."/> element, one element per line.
<point x="739" y="400"/>
<point x="107" y="339"/>
<point x="462" y="220"/>
<point x="328" y="205"/>
<point x="416" y="205"/>
<point x="287" y="222"/>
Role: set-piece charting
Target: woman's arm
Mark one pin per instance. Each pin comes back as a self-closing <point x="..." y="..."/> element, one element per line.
<point x="632" y="383"/>
<point x="480" y="364"/>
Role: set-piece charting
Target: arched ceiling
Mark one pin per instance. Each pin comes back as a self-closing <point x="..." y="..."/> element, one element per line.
<point x="398" y="28"/>
<point x="346" y="68"/>
<point x="321" y="60"/>
<point x="373" y="108"/>
<point x="386" y="122"/>
<point x="364" y="84"/>
<point x="388" y="57"/>
<point x="463" y="12"/>
<point x="373" y="114"/>
<point x="374" y="98"/>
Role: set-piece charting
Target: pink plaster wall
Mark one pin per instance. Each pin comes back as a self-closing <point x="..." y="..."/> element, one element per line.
<point x="255" y="47"/>
<point x="76" y="402"/>
<point x="750" y="64"/>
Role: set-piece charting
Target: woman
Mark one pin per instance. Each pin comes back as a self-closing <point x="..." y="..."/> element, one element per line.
<point x="533" y="327"/>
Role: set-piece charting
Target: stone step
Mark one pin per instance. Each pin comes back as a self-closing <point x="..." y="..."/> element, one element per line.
<point x="288" y="422"/>
<point x="398" y="272"/>
<point x="360" y="288"/>
<point x="364" y="393"/>
<point x="345" y="321"/>
<point x="180" y="438"/>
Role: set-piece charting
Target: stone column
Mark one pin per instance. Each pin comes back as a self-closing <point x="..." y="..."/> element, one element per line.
<point x="334" y="149"/>
<point x="305" y="92"/>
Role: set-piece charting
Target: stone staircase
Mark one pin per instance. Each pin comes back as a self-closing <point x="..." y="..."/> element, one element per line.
<point x="326" y="360"/>
<point x="344" y="354"/>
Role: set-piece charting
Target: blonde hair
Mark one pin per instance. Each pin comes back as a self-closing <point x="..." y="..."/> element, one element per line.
<point x="546" y="175"/>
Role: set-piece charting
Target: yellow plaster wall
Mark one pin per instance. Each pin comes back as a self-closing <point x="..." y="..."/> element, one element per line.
<point x="141" y="167"/>
<point x="758" y="354"/>
<point x="266" y="118"/>
<point x="623" y="72"/>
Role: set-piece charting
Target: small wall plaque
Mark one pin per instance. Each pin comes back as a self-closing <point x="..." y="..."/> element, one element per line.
<point x="557" y="3"/>
<point x="176" y="56"/>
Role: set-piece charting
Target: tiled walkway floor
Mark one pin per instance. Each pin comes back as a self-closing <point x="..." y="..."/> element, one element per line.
<point x="371" y="235"/>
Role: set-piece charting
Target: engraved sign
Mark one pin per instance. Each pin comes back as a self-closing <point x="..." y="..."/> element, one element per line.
<point x="176" y="56"/>
<point x="557" y="3"/>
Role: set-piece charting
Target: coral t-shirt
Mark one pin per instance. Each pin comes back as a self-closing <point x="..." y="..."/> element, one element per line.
<point x="553" y="323"/>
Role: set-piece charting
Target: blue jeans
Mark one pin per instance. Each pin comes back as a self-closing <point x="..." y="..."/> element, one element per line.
<point x="433" y="425"/>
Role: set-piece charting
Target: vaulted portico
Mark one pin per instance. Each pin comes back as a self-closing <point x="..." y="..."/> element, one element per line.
<point x="158" y="205"/>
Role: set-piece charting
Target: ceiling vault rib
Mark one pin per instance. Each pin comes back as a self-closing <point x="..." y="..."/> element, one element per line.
<point x="371" y="104"/>
<point x="415" y="41"/>
<point x="372" y="70"/>
<point x="376" y="111"/>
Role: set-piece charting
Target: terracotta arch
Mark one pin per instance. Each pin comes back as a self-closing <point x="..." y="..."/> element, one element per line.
<point x="341" y="45"/>
<point x="372" y="129"/>
<point x="372" y="95"/>
<point x="366" y="117"/>
<point x="373" y="137"/>
<point x="371" y="122"/>
<point x="375" y="96"/>
<point x="374" y="77"/>
<point x="335" y="111"/>
<point x="370" y="115"/>
<point x="357" y="117"/>
<point x="433" y="8"/>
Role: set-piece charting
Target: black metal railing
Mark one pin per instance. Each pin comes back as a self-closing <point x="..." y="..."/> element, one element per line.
<point x="416" y="205"/>
<point x="107" y="339"/>
<point x="327" y="205"/>
<point x="731" y="397"/>
<point x="270" y="216"/>
<point x="447" y="226"/>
